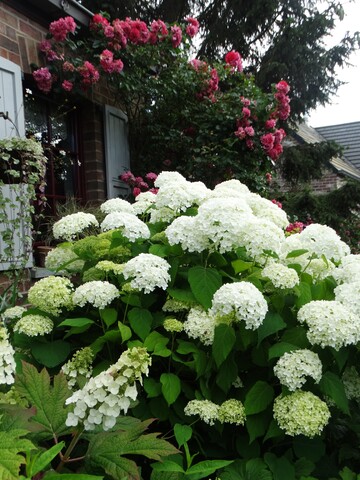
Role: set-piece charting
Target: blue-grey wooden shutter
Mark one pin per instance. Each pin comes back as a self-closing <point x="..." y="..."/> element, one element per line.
<point x="12" y="108"/>
<point x="11" y="100"/>
<point x="116" y="151"/>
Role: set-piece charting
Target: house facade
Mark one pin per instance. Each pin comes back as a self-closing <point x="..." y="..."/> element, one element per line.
<point x="85" y="138"/>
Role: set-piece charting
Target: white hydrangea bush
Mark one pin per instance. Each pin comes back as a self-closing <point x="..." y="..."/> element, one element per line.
<point x="246" y="333"/>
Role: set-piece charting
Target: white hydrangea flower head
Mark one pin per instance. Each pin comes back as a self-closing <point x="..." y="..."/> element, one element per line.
<point x="97" y="293"/>
<point x="351" y="381"/>
<point x="117" y="205"/>
<point x="349" y="269"/>
<point x="109" y="266"/>
<point x="280" y="275"/>
<point x="130" y="225"/>
<point x="186" y="232"/>
<point x="173" y="325"/>
<point x="105" y="396"/>
<point x="163" y="215"/>
<point x="166" y="178"/>
<point x="260" y="235"/>
<point x="144" y="202"/>
<point x="239" y="301"/>
<point x="323" y="240"/>
<point x="7" y="361"/>
<point x="349" y="295"/>
<point x="179" y="197"/>
<point x="301" y="413"/>
<point x="330" y="323"/>
<point x="12" y="313"/>
<point x="200" y="324"/>
<point x="207" y="410"/>
<point x="319" y="269"/>
<point x="264" y="208"/>
<point x="52" y="294"/>
<point x="232" y="185"/>
<point x="63" y="260"/>
<point x="70" y="226"/>
<point x="293" y="368"/>
<point x="222" y="229"/>
<point x="80" y="365"/>
<point x="147" y="272"/>
<point x="34" y="325"/>
<point x="232" y="411"/>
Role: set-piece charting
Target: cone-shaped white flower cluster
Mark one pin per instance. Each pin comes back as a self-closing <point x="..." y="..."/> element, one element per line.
<point x="105" y="396"/>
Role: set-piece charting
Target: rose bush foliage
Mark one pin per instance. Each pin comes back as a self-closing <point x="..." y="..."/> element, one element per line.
<point x="240" y="340"/>
<point x="184" y="113"/>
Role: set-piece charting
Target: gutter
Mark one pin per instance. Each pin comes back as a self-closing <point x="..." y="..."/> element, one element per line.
<point x="74" y="9"/>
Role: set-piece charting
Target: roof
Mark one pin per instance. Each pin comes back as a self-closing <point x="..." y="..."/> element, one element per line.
<point x="348" y="136"/>
<point x="349" y="163"/>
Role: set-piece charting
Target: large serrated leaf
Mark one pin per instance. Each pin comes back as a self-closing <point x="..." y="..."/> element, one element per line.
<point x="204" y="282"/>
<point x="11" y="445"/>
<point x="48" y="399"/>
<point x="106" y="450"/>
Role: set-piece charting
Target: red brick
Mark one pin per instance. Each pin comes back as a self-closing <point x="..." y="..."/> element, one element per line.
<point x="8" y="44"/>
<point x="30" y="31"/>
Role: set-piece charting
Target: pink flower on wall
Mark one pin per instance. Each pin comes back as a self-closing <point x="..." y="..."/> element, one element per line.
<point x="192" y="27"/>
<point x="60" y="28"/>
<point x="158" y="32"/>
<point x="234" y="59"/>
<point x="43" y="79"/>
<point x="176" y="36"/>
<point x="89" y="74"/>
<point x="98" y="22"/>
<point x="67" y="85"/>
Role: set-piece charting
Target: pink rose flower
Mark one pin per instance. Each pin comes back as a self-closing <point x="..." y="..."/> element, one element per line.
<point x="192" y="27"/>
<point x="234" y="59"/>
<point x="176" y="36"/>
<point x="43" y="79"/>
<point x="60" y="28"/>
<point x="67" y="85"/>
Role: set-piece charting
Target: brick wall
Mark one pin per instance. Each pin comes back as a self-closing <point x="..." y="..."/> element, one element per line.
<point x="19" y="37"/>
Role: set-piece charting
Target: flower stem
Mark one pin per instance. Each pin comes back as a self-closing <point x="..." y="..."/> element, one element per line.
<point x="66" y="456"/>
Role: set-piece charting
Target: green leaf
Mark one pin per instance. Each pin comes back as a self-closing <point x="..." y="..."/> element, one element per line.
<point x="241" y="266"/>
<point x="171" y="387"/>
<point x="272" y="323"/>
<point x="140" y="320"/>
<point x="70" y="476"/>
<point x="258" y="397"/>
<point x="167" y="466"/>
<point x="296" y="253"/>
<point x="51" y="354"/>
<point x="303" y="467"/>
<point x="227" y="374"/>
<point x="11" y="445"/>
<point x="303" y="291"/>
<point x="257" y="425"/>
<point x="48" y="399"/>
<point x="281" y="468"/>
<point x="125" y="332"/>
<point x="331" y="385"/>
<point x="113" y="336"/>
<point x="159" y="250"/>
<point x="224" y="340"/>
<point x="76" y="322"/>
<point x="273" y="431"/>
<point x="204" y="282"/>
<point x="205" y="468"/>
<point x="311" y="448"/>
<point x="109" y="316"/>
<point x="45" y="458"/>
<point x="182" y="295"/>
<point x="183" y="433"/>
<point x="106" y="450"/>
<point x="280" y="348"/>
<point x="155" y="340"/>
<point x="152" y="387"/>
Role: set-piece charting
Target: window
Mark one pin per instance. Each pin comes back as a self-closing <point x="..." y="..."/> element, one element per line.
<point x="56" y="126"/>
